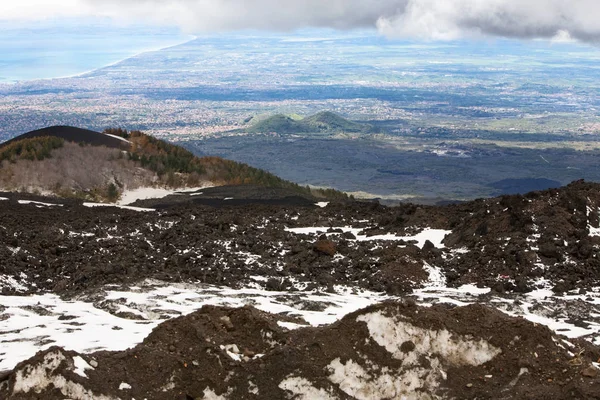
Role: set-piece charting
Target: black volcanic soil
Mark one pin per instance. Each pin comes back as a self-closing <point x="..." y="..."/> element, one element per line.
<point x="506" y="243"/>
<point x="72" y="134"/>
<point x="392" y="350"/>
<point x="228" y="196"/>
<point x="385" y="351"/>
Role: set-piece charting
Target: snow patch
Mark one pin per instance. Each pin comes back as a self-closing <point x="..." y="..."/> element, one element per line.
<point x="39" y="203"/>
<point x="117" y="137"/>
<point x="391" y="333"/>
<point x="435" y="236"/>
<point x="144" y="193"/>
<point x="209" y="394"/>
<point x="232" y="351"/>
<point x="414" y="384"/>
<point x="302" y="389"/>
<point x="11" y="283"/>
<point x="436" y="276"/>
<point x="118" y="206"/>
<point x="38" y="378"/>
<point x="81" y="366"/>
<point x="290" y="325"/>
<point x="99" y="329"/>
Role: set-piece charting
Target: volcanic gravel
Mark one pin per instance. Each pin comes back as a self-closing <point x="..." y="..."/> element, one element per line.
<point x="509" y="243"/>
<point x="392" y="350"/>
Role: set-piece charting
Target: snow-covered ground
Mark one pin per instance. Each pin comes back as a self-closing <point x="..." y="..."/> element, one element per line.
<point x="435" y="236"/>
<point x="540" y="306"/>
<point x="144" y="193"/>
<point x="119" y="318"/>
<point x="118" y="206"/>
<point x="39" y="203"/>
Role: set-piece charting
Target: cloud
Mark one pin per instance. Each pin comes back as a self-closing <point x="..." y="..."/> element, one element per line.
<point x="426" y="19"/>
<point x="451" y="19"/>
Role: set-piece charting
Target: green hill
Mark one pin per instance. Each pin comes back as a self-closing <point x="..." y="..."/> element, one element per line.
<point x="278" y="123"/>
<point x="323" y="122"/>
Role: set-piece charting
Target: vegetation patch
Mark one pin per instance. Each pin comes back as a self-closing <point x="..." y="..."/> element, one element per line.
<point x="32" y="149"/>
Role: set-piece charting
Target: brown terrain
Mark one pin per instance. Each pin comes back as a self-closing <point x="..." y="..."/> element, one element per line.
<point x="230" y="235"/>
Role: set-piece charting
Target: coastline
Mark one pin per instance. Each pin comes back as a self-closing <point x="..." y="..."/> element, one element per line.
<point x="189" y="39"/>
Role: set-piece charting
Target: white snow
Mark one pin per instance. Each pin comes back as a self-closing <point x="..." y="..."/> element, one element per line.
<point x="435" y="236"/>
<point x="98" y="329"/>
<point x="302" y="389"/>
<point x="592" y="231"/>
<point x="232" y="351"/>
<point x="117" y="137"/>
<point x="3" y="199"/>
<point x="10" y="282"/>
<point x="436" y="276"/>
<point x="413" y="379"/>
<point x="81" y="366"/>
<point x="39" y="203"/>
<point x="131" y="196"/>
<point x="540" y="306"/>
<point x="27" y="319"/>
<point x="209" y="394"/>
<point x="118" y="206"/>
<point x="124" y="386"/>
<point x="289" y="325"/>
<point x="35" y="379"/>
<point x="23" y="328"/>
<point x="391" y="333"/>
<point x="322" y="204"/>
<point x="412" y="384"/>
<point x="144" y="193"/>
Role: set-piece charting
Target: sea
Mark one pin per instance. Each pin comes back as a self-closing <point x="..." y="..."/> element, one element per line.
<point x="55" y="50"/>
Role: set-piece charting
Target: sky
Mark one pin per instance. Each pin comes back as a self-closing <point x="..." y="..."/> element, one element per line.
<point x="563" y="20"/>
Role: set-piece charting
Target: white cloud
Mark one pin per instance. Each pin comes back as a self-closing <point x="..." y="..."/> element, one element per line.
<point x="428" y="19"/>
<point x="42" y="9"/>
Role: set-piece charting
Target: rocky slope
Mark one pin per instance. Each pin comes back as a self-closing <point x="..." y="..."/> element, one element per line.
<point x="389" y="351"/>
<point x="512" y="244"/>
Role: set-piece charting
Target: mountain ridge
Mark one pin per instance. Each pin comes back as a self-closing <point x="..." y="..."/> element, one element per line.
<point x="73" y="134"/>
<point x="322" y="122"/>
<point x="101" y="166"/>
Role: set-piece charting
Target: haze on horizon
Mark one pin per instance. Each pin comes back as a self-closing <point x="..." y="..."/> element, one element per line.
<point x="559" y="20"/>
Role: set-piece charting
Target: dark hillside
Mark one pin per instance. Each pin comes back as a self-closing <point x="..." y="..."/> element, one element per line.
<point x="72" y="134"/>
<point x="524" y="185"/>
<point x="327" y="121"/>
<point x="54" y="160"/>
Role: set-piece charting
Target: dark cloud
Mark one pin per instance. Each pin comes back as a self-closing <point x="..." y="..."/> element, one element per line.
<point x="428" y="19"/>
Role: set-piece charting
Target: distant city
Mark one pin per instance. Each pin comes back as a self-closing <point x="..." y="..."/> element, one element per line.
<point x="440" y="98"/>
